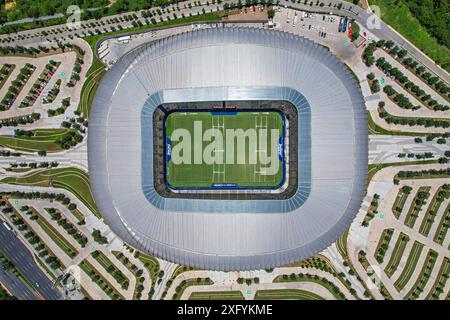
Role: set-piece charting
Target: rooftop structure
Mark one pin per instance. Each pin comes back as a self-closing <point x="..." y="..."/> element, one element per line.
<point x="230" y="64"/>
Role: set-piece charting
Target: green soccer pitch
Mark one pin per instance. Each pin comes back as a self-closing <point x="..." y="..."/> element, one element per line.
<point x="224" y="150"/>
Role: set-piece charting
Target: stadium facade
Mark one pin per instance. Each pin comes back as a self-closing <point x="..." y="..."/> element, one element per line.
<point x="229" y="64"/>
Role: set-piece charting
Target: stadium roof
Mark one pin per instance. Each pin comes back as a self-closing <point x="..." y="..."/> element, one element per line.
<point x="229" y="64"/>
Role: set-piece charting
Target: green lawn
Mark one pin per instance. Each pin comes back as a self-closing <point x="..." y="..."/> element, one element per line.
<point x="29" y="145"/>
<point x="397" y="254"/>
<point x="398" y="16"/>
<point x="286" y="294"/>
<point x="73" y="180"/>
<point x="184" y="172"/>
<point x="42" y="139"/>
<point x="179" y="270"/>
<point x="90" y="85"/>
<point x="410" y="266"/>
<point x="216" y="295"/>
<point x="50" y="134"/>
<point x="341" y="244"/>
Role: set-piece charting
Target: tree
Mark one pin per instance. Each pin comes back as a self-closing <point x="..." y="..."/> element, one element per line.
<point x="375" y="87"/>
<point x="389" y="44"/>
<point x="355" y="30"/>
<point x="3" y="17"/>
<point x="402" y="53"/>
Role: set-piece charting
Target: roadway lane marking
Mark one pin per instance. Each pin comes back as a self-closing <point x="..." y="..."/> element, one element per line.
<point x="39" y="295"/>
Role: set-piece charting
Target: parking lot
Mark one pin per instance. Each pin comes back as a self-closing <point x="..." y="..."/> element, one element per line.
<point x="321" y="28"/>
<point x="63" y="72"/>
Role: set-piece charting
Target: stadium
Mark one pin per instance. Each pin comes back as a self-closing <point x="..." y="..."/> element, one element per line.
<point x="228" y="148"/>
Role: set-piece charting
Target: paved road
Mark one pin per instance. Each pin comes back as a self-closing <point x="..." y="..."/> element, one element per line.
<point x="16" y="286"/>
<point x="19" y="255"/>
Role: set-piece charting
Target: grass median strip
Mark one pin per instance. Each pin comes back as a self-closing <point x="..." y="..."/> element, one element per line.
<point x="93" y="78"/>
<point x="100" y="280"/>
<point x="442" y="229"/>
<point x="324" y="282"/>
<point x="375" y="129"/>
<point x="397" y="254"/>
<point x="400" y="200"/>
<point x="374" y="168"/>
<point x="151" y="264"/>
<point x="410" y="266"/>
<point x="383" y="244"/>
<point x="440" y="196"/>
<point x="416" y="206"/>
<point x="423" y="277"/>
<point x="179" y="290"/>
<point x="56" y="237"/>
<point x="49" y="134"/>
<point x="441" y="280"/>
<point x="216" y="295"/>
<point x="107" y="264"/>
